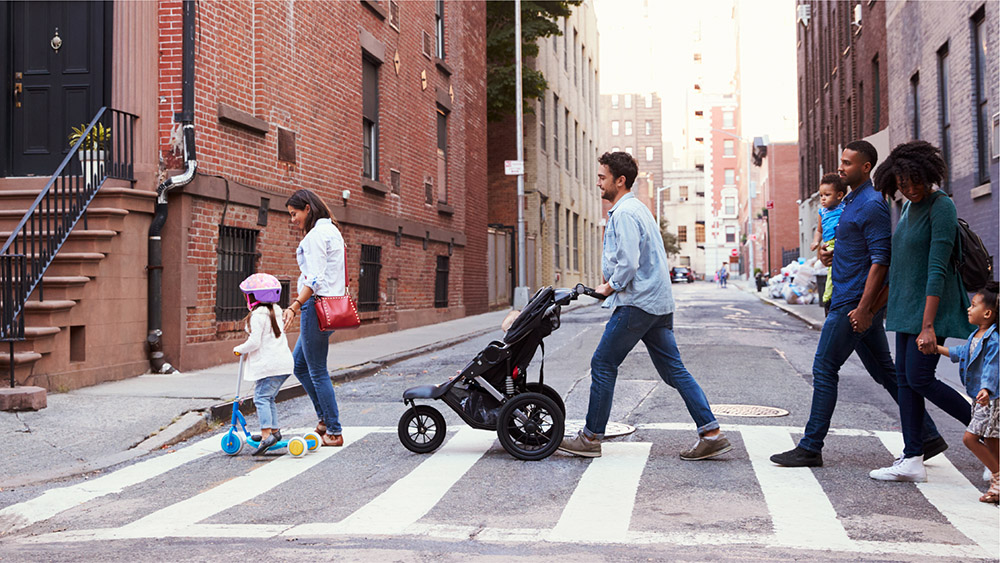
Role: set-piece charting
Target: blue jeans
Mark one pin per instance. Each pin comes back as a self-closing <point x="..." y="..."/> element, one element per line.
<point x="264" y="392"/>
<point x="310" y="369"/>
<point x="836" y="342"/>
<point x="917" y="382"/>
<point x="627" y="326"/>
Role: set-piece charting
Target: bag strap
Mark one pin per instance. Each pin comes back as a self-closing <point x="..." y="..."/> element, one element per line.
<point x="956" y="249"/>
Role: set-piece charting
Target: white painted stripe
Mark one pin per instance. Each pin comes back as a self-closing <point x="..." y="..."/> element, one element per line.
<point x="680" y="426"/>
<point x="411" y="497"/>
<point x="800" y="511"/>
<point x="54" y="501"/>
<point x="955" y="497"/>
<point x="176" y="517"/>
<point x="600" y="509"/>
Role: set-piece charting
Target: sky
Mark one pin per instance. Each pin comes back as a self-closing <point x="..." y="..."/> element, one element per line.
<point x="634" y="33"/>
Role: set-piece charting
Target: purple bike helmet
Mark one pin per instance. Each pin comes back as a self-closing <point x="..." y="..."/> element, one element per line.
<point x="265" y="288"/>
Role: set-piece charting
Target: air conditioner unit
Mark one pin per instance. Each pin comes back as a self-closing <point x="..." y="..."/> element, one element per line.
<point x="857" y="15"/>
<point x="804" y="12"/>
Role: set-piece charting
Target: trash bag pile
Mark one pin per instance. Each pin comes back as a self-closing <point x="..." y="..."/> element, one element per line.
<point x="796" y="282"/>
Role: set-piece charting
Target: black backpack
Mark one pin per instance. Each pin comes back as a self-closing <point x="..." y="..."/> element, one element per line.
<point x="971" y="258"/>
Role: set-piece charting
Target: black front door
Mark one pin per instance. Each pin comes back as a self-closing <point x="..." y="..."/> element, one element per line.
<point x="57" y="77"/>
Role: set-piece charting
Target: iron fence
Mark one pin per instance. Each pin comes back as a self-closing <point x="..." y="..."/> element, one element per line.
<point x="237" y="253"/>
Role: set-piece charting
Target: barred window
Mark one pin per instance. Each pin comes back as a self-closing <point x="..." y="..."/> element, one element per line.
<point x="237" y="259"/>
<point x="371" y="266"/>
<point x="441" y="282"/>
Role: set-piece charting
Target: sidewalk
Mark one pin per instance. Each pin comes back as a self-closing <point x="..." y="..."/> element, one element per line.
<point x="89" y="429"/>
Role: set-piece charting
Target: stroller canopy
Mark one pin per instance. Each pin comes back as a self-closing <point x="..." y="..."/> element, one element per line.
<point x="531" y="315"/>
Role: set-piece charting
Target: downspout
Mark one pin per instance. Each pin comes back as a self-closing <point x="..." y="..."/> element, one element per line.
<point x="154" y="338"/>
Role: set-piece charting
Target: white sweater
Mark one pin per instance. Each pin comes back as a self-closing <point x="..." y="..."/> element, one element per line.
<point x="265" y="354"/>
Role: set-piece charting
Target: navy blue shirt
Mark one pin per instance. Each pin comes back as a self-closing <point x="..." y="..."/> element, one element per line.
<point x="864" y="237"/>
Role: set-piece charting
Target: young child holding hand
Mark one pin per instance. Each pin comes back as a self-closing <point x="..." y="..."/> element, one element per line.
<point x="978" y="367"/>
<point x="832" y="191"/>
<point x="268" y="358"/>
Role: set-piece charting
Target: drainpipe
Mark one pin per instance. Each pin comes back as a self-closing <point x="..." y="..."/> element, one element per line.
<point x="157" y="361"/>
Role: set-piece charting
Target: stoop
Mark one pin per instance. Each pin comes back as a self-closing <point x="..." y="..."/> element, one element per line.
<point x="27" y="398"/>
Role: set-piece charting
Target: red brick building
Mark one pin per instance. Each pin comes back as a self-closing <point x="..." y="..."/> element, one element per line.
<point x="378" y="106"/>
<point x="775" y="230"/>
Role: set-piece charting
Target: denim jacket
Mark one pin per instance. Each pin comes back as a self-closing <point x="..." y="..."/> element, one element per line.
<point x="980" y="370"/>
<point x="634" y="261"/>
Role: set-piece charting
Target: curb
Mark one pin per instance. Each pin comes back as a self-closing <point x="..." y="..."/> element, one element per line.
<point x="786" y="308"/>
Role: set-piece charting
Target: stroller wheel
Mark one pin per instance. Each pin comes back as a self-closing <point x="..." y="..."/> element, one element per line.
<point x="550" y="393"/>
<point x="422" y="429"/>
<point x="232" y="442"/>
<point x="530" y="426"/>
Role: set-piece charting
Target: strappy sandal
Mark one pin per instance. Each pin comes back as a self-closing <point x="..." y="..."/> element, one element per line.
<point x="993" y="494"/>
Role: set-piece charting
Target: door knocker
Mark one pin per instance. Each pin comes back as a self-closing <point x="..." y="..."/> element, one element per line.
<point x="56" y="41"/>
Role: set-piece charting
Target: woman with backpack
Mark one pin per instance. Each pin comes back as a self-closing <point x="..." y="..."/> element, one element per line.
<point x="927" y="300"/>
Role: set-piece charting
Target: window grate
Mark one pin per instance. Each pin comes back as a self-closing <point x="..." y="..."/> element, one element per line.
<point x="371" y="266"/>
<point x="237" y="259"/>
<point x="441" y="282"/>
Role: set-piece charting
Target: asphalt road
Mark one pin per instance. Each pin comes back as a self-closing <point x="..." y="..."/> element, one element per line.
<point x="375" y="501"/>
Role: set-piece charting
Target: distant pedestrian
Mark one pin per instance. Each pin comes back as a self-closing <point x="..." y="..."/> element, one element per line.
<point x="978" y="368"/>
<point x="723" y="275"/>
<point x="831" y="205"/>
<point x="639" y="293"/>
<point x="857" y="308"/>
<point x="927" y="301"/>
<point x="320" y="256"/>
<point x="268" y="360"/>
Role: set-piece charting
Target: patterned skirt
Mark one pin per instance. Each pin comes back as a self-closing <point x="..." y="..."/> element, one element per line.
<point x="986" y="420"/>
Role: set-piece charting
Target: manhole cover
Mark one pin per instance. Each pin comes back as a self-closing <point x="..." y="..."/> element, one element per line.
<point x="613" y="430"/>
<point x="748" y="410"/>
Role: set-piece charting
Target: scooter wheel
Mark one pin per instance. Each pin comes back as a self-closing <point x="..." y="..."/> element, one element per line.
<point x="530" y="426"/>
<point x="313" y="441"/>
<point x="297" y="447"/>
<point x="422" y="429"/>
<point x="232" y="442"/>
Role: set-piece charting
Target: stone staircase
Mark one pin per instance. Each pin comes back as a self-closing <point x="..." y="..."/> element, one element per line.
<point x="85" y="323"/>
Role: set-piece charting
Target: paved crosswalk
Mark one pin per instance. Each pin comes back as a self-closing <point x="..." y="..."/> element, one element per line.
<point x="600" y="509"/>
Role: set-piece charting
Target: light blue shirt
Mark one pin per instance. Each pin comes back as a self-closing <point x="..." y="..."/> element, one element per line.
<point x="634" y="261"/>
<point x="320" y="256"/>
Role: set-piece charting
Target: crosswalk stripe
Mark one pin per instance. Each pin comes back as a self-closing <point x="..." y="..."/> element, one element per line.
<point x="408" y="499"/>
<point x="54" y="501"/>
<point x="600" y="509"/>
<point x="801" y="512"/>
<point x="954" y="497"/>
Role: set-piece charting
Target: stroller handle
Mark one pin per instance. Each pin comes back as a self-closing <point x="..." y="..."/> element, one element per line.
<point x="584" y="290"/>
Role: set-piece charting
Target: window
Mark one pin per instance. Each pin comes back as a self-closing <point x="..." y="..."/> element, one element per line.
<point x="649" y="153"/>
<point x="541" y="122"/>
<point x="730" y="206"/>
<point x="943" y="112"/>
<point x="682" y="233"/>
<point x="876" y="99"/>
<point x="649" y="127"/>
<point x="615" y="149"/>
<point x="566" y="44"/>
<point x="576" y="61"/>
<point x="729" y="147"/>
<point x="555" y="128"/>
<point x="566" y="129"/>
<point x="442" y="155"/>
<point x="614" y="127"/>
<point x="861" y="109"/>
<point x="576" y="240"/>
<point x="682" y="192"/>
<point x="628" y="127"/>
<point x="730" y="234"/>
<point x="439" y="28"/>
<point x="583" y="81"/>
<point x="730" y="177"/>
<point x="649" y="100"/>
<point x="979" y="40"/>
<point x="628" y="150"/>
<point x="441" y="282"/>
<point x="614" y="101"/>
<point x="371" y="266"/>
<point x="567" y="239"/>
<point x="369" y="118"/>
<point x="628" y="101"/>
<point x="699" y="233"/>
<point x="727" y="120"/>
<point x="915" y="100"/>
<point x="237" y="259"/>
<point x="576" y="148"/>
<point x="558" y="212"/>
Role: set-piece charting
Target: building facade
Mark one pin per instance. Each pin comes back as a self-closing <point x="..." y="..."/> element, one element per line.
<point x="774" y="231"/>
<point x="633" y="122"/>
<point x="563" y="222"/>
<point x="682" y="204"/>
<point x="725" y="180"/>
<point x="291" y="95"/>
<point x="944" y="87"/>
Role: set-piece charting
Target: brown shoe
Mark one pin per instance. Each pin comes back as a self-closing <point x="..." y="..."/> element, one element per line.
<point x="321" y="428"/>
<point x="335" y="440"/>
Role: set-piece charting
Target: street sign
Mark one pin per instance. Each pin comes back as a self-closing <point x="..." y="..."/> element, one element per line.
<point x="770" y="204"/>
<point x="513" y="167"/>
<point x="735" y="253"/>
<point x="753" y="238"/>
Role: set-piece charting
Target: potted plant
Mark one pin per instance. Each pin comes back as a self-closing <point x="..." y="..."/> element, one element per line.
<point x="92" y="149"/>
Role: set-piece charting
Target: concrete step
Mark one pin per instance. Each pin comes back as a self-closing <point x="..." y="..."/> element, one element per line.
<point x="75" y="264"/>
<point x="24" y="363"/>
<point x="80" y="240"/>
<point x="118" y="196"/>
<point x="99" y="218"/>
<point x="39" y="339"/>
<point x="53" y="312"/>
<point x="63" y="287"/>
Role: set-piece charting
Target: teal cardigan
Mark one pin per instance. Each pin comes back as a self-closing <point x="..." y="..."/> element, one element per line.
<point x="921" y="266"/>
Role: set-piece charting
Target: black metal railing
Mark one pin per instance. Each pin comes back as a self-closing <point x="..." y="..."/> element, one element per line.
<point x="368" y="277"/>
<point x="238" y="256"/>
<point x="104" y="149"/>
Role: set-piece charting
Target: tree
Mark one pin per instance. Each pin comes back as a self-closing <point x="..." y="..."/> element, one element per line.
<point x="669" y="239"/>
<point x="538" y="20"/>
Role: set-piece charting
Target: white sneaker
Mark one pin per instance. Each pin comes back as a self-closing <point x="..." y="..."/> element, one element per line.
<point x="903" y="469"/>
<point x="987" y="475"/>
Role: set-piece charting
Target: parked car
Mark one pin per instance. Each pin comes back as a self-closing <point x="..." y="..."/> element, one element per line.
<point x="681" y="274"/>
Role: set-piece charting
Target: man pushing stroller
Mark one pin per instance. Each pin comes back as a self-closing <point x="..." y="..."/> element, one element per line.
<point x="638" y="288"/>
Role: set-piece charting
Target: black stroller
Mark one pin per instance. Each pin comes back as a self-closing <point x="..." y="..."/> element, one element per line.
<point x="493" y="392"/>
